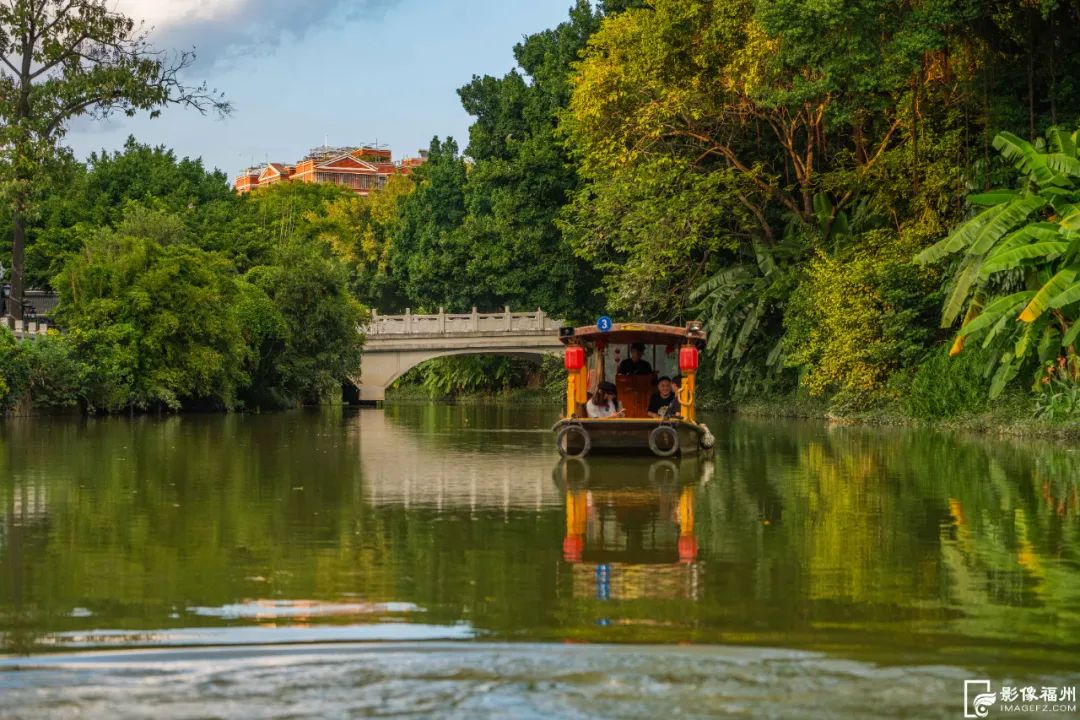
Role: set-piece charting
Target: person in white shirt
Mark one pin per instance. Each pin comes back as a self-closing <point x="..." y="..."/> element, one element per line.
<point x="603" y="403"/>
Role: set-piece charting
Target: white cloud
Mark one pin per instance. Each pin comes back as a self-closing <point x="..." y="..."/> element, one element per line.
<point x="163" y="13"/>
<point x="220" y="28"/>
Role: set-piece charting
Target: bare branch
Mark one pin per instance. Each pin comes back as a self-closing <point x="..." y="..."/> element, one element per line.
<point x="60" y="15"/>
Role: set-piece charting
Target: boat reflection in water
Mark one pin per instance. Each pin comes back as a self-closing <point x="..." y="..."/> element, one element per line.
<point x="630" y="527"/>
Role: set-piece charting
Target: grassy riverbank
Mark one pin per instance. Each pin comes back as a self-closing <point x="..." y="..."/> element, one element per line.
<point x="416" y="394"/>
<point x="1013" y="416"/>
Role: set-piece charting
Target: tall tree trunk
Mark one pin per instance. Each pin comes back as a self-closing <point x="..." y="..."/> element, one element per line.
<point x="18" y="220"/>
<point x="1053" y="73"/>
<point x="1031" y="95"/>
<point x="915" y="129"/>
<point x="18" y="245"/>
<point x="986" y="132"/>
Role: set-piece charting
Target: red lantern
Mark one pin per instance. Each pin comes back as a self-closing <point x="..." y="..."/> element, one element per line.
<point x="688" y="358"/>
<point x="575" y="357"/>
<point x="572" y="548"/>
<point x="688" y="549"/>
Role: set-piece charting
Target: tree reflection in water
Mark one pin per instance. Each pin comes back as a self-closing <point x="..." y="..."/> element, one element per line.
<point x="873" y="542"/>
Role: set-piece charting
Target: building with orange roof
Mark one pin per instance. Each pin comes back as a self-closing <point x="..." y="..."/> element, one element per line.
<point x="361" y="169"/>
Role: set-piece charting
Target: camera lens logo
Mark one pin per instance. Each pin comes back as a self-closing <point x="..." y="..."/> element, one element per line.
<point x="978" y="698"/>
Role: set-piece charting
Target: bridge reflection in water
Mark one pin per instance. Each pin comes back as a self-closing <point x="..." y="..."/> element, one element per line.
<point x="458" y="469"/>
<point x="629" y="521"/>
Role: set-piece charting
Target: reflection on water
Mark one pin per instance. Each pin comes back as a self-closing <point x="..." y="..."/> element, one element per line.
<point x="630" y="527"/>
<point x="877" y="545"/>
<point x="460" y="467"/>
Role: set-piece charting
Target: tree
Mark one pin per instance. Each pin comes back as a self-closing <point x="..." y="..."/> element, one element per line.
<point x="523" y="176"/>
<point x="154" y="318"/>
<point x="308" y="338"/>
<point x="429" y="258"/>
<point x="360" y="231"/>
<point x="725" y="149"/>
<point x="251" y="227"/>
<point x="82" y="198"/>
<point x="62" y="59"/>
<point x="489" y="236"/>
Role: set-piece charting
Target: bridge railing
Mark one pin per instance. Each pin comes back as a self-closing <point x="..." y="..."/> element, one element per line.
<point x="25" y="329"/>
<point x="443" y="323"/>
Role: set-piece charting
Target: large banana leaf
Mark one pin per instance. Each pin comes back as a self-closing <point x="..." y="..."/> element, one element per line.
<point x="1067" y="296"/>
<point x="751" y="323"/>
<point x="1070" y="337"/>
<point x="1006" y="371"/>
<point x="1048" y="343"/>
<point x="964" y="280"/>
<point x="1026" y="159"/>
<point x="1042" y="231"/>
<point x="764" y="259"/>
<point x="1034" y="232"/>
<point x="1055" y="286"/>
<point x="1012" y="214"/>
<point x="1009" y="259"/>
<point x="999" y="327"/>
<point x="728" y="277"/>
<point x="993" y="197"/>
<point x="1061" y="141"/>
<point x="991" y="313"/>
<point x="1070" y="219"/>
<point x="1063" y="164"/>
<point x="961" y="237"/>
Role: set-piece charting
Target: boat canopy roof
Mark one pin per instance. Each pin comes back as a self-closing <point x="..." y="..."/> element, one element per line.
<point x="625" y="333"/>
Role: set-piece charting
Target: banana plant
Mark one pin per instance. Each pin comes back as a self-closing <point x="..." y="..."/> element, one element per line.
<point x="737" y="303"/>
<point x="1018" y="258"/>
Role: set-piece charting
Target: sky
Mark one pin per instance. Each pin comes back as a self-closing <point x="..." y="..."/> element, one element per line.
<point x="303" y="72"/>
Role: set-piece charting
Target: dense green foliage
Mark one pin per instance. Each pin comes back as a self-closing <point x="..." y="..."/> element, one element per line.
<point x="859" y="316"/>
<point x="770" y="168"/>
<point x="1019" y="276"/>
<point x="64" y="59"/>
<point x="45" y="373"/>
<point x="153" y="318"/>
<point x="176" y="292"/>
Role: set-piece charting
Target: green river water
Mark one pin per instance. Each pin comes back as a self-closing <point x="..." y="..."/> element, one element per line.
<point x="440" y="561"/>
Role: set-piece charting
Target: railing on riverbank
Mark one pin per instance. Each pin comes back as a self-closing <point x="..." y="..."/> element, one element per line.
<point x="443" y="323"/>
<point x="25" y="329"/>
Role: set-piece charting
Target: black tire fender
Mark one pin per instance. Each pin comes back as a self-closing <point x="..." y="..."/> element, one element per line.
<point x="654" y="437"/>
<point x="563" y="436"/>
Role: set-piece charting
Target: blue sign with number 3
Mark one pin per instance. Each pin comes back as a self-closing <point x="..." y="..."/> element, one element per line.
<point x="604" y="323"/>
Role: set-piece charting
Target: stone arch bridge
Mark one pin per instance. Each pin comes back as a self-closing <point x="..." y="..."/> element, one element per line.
<point x="396" y="343"/>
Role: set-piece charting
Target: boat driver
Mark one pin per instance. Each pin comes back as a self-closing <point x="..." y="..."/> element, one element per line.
<point x="664" y="402"/>
<point x="635" y="365"/>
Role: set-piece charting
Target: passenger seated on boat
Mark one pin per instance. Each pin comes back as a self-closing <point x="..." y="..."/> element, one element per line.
<point x="604" y="403"/>
<point x="664" y="402"/>
<point x="635" y="365"/>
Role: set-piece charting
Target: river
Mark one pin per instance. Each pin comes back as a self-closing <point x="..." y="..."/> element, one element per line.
<point x="440" y="561"/>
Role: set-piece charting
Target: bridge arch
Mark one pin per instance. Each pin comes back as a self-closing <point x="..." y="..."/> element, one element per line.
<point x="398" y="343"/>
<point x="407" y="361"/>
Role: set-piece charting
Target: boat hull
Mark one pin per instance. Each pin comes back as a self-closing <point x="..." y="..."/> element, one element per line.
<point x="626" y="436"/>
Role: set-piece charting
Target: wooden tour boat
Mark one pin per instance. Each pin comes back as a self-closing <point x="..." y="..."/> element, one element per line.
<point x="593" y="356"/>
